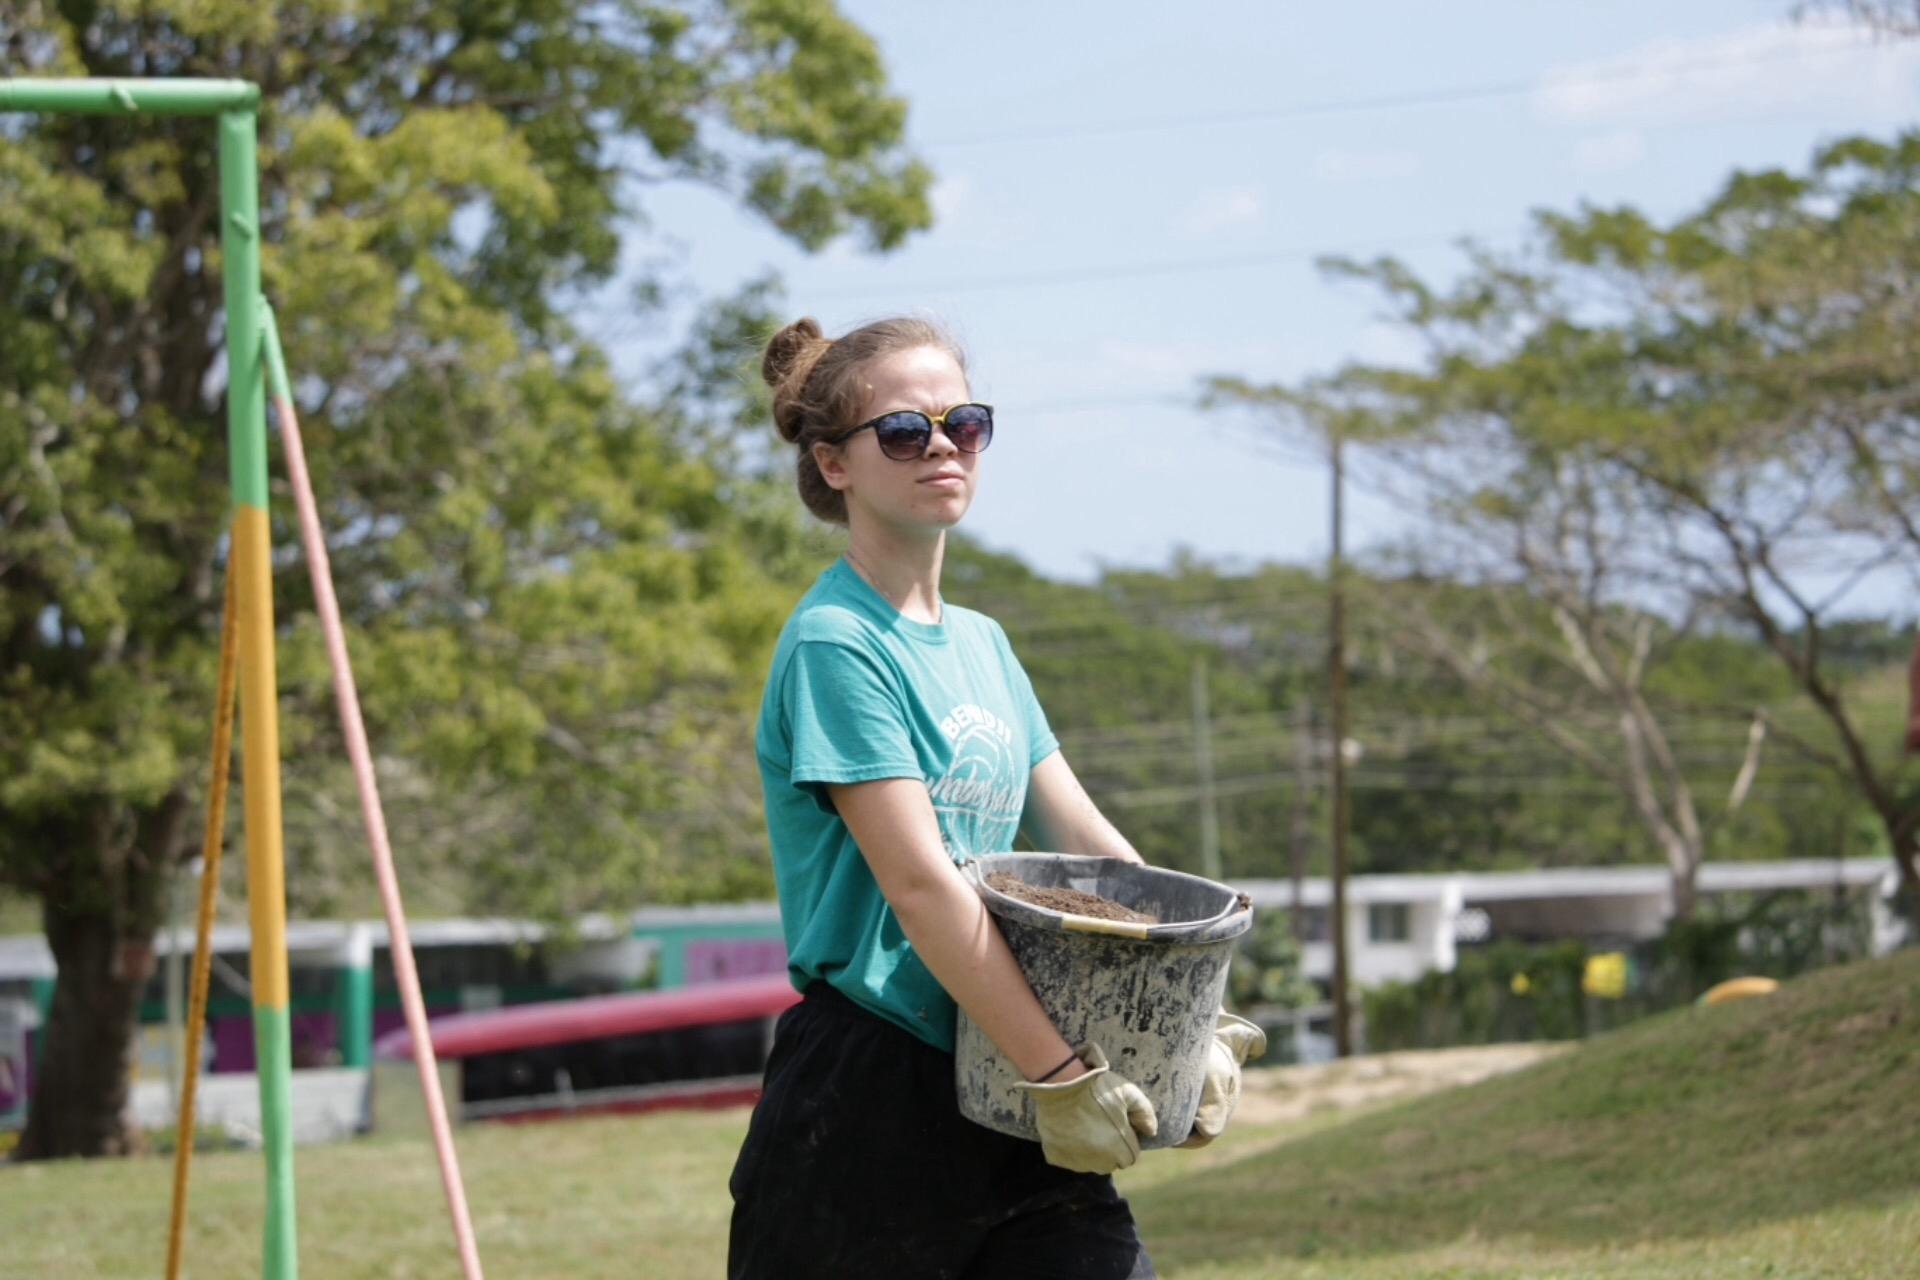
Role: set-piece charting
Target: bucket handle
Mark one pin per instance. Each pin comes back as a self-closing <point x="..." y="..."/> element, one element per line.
<point x="1142" y="932"/>
<point x="1111" y="928"/>
<point x="1233" y="905"/>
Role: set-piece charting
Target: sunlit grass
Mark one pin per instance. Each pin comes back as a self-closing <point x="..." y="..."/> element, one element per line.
<point x="1777" y="1137"/>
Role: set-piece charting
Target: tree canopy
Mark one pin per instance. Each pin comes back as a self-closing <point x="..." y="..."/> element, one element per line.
<point x="553" y="607"/>
<point x="1649" y="431"/>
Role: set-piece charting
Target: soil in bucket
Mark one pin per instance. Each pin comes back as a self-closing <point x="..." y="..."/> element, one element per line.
<point x="1069" y="901"/>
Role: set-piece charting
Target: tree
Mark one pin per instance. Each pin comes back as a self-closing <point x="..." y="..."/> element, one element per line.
<point x="1712" y="421"/>
<point x="1552" y="635"/>
<point x="553" y="609"/>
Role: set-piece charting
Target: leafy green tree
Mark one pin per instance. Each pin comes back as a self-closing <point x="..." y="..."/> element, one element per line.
<point x="1708" y="422"/>
<point x="554" y="606"/>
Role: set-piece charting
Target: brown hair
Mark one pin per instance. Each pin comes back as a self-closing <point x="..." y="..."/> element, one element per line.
<point x="817" y="388"/>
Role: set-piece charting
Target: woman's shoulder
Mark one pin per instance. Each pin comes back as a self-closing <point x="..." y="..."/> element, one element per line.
<point x="960" y="618"/>
<point x="824" y="613"/>
<point x="826" y="621"/>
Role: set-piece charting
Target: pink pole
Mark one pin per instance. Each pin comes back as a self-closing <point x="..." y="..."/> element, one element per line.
<point x="319" y="568"/>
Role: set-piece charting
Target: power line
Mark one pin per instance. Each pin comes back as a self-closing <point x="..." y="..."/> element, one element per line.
<point x="1404" y="101"/>
<point x="1462" y="761"/>
<point x="1135" y="271"/>
<point x="1401" y="101"/>
<point x="1282" y="781"/>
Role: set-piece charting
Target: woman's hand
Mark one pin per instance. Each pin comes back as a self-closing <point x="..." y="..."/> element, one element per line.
<point x="1093" y="1123"/>
<point x="1235" y="1043"/>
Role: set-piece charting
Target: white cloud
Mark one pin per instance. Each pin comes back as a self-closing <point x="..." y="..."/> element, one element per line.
<point x="950" y="196"/>
<point x="1736" y="75"/>
<point x="969" y="212"/>
<point x="1342" y="166"/>
<point x="1221" y="210"/>
<point x="1610" y="152"/>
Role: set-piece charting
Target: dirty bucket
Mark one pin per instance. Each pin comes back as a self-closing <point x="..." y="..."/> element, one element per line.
<point x="1146" y="994"/>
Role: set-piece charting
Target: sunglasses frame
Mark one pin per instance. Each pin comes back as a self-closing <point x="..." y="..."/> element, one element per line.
<point x="933" y="421"/>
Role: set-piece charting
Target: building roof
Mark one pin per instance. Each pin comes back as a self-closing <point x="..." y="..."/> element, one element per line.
<point x="1574" y="882"/>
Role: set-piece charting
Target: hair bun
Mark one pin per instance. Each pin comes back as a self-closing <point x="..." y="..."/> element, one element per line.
<point x="793" y="348"/>
<point x="791" y="355"/>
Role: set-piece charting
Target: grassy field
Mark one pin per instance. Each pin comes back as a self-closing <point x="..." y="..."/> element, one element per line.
<point x="1775" y="1138"/>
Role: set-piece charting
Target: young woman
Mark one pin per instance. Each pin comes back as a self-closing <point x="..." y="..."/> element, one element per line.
<point x="898" y="738"/>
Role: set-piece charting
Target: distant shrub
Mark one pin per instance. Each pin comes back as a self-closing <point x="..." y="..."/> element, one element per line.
<point x="1510" y="990"/>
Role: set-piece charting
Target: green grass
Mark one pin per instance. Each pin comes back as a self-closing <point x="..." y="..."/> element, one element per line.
<point x="1773" y="1137"/>
<point x="1776" y="1137"/>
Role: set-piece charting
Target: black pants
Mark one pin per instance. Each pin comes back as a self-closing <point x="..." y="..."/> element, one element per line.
<point x="859" y="1166"/>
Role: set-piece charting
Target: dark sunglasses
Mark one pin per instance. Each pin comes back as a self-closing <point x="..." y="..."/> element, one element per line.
<point x="905" y="435"/>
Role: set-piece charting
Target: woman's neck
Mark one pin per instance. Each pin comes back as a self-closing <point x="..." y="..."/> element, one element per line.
<point x="905" y="571"/>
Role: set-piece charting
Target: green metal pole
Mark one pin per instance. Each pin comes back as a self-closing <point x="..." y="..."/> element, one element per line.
<point x="266" y="864"/>
<point x="236" y="103"/>
<point x="355" y="996"/>
<point x="130" y="97"/>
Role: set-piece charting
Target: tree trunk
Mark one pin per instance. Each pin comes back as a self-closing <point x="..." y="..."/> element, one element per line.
<point x="101" y="935"/>
<point x="80" y="1098"/>
<point x="1684" y="894"/>
<point x="1905" y="834"/>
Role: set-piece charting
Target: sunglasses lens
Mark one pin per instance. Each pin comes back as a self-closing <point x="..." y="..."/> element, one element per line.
<point x="903" y="436"/>
<point x="970" y="427"/>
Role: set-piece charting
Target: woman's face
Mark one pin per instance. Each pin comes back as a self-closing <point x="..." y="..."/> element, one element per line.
<point x="928" y="494"/>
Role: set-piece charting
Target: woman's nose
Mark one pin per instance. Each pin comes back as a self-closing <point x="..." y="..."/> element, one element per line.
<point x="939" y="445"/>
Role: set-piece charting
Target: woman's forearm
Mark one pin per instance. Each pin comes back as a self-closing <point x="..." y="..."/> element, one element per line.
<point x="894" y="824"/>
<point x="955" y="936"/>
<point x="1064" y="818"/>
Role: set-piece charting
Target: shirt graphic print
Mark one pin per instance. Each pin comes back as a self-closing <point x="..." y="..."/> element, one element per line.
<point x="979" y="798"/>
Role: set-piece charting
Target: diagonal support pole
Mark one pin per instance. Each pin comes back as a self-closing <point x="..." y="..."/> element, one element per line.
<point x="320" y="570"/>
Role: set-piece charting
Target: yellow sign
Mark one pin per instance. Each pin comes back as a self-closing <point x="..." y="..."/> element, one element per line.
<point x="1606" y="976"/>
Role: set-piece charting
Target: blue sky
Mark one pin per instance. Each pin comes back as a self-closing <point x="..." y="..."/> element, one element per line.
<point x="1046" y="199"/>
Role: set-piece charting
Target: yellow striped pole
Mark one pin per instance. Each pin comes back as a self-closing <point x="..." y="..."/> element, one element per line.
<point x="203" y="927"/>
<point x="252" y="568"/>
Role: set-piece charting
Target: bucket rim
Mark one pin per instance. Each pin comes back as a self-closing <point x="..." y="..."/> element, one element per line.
<point x="1230" y="922"/>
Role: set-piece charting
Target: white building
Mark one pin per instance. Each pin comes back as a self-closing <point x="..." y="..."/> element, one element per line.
<point x="1401" y="926"/>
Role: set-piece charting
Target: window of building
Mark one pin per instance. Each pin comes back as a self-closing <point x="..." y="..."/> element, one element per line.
<point x="1313" y="924"/>
<point x="1389" y="922"/>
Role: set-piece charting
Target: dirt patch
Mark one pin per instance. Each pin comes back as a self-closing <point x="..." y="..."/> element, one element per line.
<point x="1069" y="901"/>
<point x="1275" y="1094"/>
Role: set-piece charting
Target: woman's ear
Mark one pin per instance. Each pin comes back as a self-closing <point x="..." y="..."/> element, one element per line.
<point x="832" y="461"/>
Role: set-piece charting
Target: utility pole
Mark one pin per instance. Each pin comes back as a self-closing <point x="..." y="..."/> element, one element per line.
<point x="1337" y="681"/>
<point x="1297" y="820"/>
<point x="1203" y="764"/>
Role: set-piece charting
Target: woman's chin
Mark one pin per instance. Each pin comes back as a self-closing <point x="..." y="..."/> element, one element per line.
<point x="937" y="515"/>
<point x="950" y="512"/>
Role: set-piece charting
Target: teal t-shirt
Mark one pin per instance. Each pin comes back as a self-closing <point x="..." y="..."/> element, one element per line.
<point x="859" y="693"/>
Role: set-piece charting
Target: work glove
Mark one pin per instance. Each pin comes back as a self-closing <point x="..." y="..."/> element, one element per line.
<point x="1093" y="1124"/>
<point x="1235" y="1043"/>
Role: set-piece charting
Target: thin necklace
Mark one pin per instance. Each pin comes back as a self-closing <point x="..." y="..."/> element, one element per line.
<point x="867" y="576"/>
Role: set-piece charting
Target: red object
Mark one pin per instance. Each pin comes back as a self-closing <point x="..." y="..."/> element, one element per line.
<point x="532" y="1026"/>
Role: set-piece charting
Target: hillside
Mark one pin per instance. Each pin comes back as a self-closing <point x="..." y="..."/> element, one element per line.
<point x="1781" y="1112"/>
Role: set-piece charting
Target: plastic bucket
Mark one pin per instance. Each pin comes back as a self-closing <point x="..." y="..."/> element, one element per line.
<point x="1146" y="994"/>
